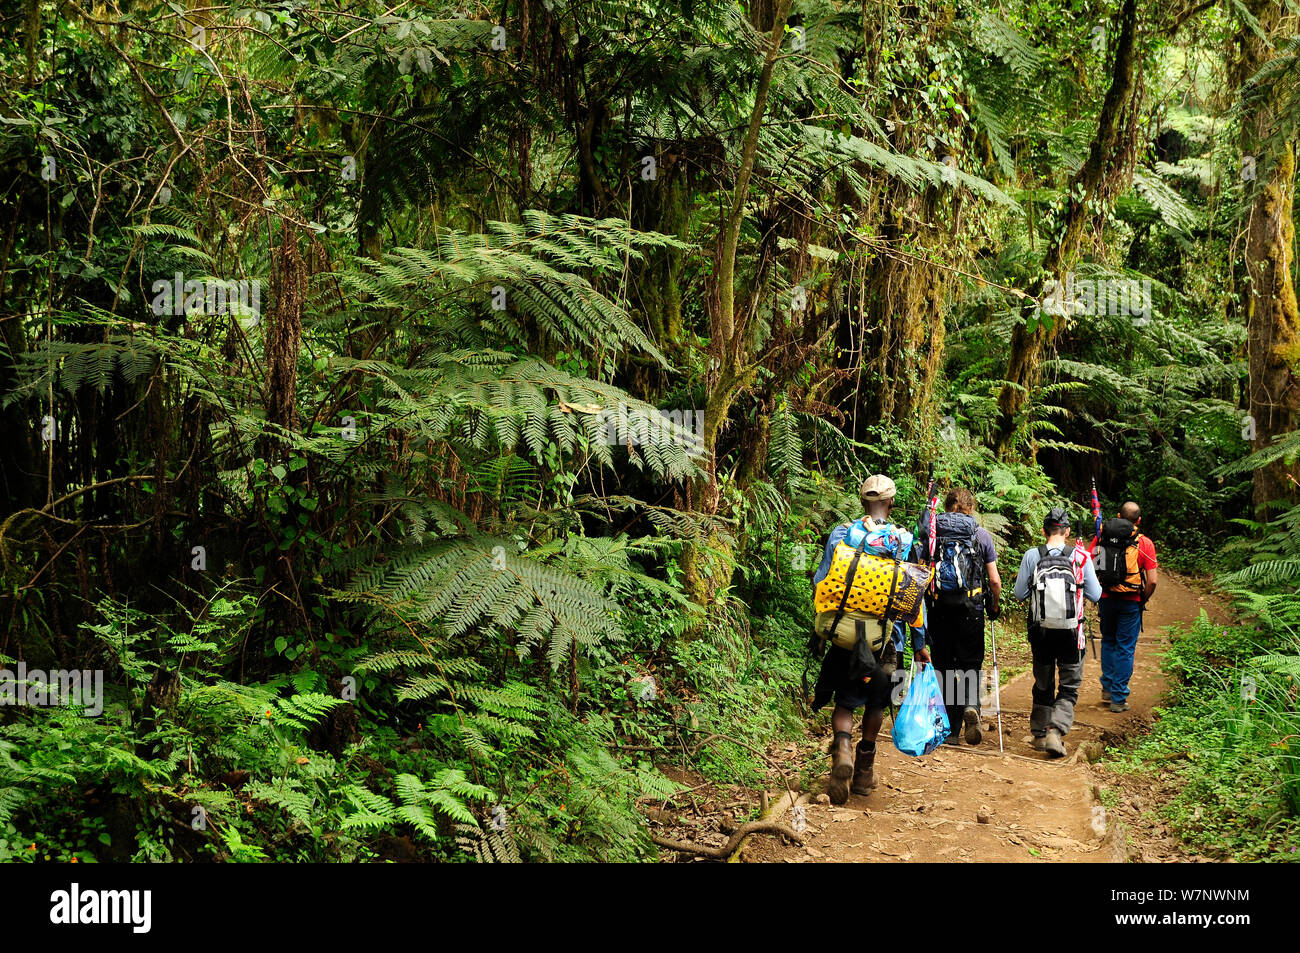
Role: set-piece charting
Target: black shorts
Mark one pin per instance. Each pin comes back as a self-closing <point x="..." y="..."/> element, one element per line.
<point x="833" y="682"/>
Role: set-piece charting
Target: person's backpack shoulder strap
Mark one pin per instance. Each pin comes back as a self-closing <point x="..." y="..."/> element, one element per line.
<point x="1142" y="573"/>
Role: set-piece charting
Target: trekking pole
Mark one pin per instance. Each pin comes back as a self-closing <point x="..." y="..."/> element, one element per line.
<point x="997" y="689"/>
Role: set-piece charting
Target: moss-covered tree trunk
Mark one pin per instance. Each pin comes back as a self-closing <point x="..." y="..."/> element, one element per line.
<point x="661" y="204"/>
<point x="1267" y="291"/>
<point x="903" y="326"/>
<point x="890" y="334"/>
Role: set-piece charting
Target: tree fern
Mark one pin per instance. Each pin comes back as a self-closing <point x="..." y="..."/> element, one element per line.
<point x="517" y="278"/>
<point x="785" y="449"/>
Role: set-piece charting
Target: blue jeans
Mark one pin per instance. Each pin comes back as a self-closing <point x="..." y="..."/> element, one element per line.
<point x="1121" y="623"/>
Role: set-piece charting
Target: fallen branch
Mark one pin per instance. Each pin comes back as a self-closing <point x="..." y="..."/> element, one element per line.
<point x="739" y="834"/>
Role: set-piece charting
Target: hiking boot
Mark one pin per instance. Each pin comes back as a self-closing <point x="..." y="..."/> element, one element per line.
<point x="971" y="718"/>
<point x="953" y="739"/>
<point x="841" y="768"/>
<point x="1040" y="743"/>
<point x="864" y="771"/>
<point x="1118" y="707"/>
<point x="1105" y="695"/>
<point x="1053" y="745"/>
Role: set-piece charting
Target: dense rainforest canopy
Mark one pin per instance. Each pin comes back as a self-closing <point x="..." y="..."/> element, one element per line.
<point x="424" y="415"/>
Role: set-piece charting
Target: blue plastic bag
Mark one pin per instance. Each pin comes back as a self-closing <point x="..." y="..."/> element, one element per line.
<point x="922" y="721"/>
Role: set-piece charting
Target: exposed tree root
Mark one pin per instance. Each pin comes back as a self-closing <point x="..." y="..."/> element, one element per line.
<point x="739" y="834"/>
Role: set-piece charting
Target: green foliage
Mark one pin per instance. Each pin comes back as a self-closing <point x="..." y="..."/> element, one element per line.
<point x="534" y="270"/>
<point x="449" y="537"/>
<point x="162" y="761"/>
<point x="421" y="804"/>
<point x="1233" y="720"/>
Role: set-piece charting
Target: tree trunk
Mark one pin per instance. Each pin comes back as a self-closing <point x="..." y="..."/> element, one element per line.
<point x="902" y="340"/>
<point x="284" y="337"/>
<point x="1099" y="181"/>
<point x="1267" y="292"/>
<point x="729" y="375"/>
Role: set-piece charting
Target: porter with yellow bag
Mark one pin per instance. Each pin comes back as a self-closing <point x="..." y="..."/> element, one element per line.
<point x="861" y="586"/>
<point x="865" y="594"/>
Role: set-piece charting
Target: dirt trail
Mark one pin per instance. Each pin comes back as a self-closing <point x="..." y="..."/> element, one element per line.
<point x="974" y="804"/>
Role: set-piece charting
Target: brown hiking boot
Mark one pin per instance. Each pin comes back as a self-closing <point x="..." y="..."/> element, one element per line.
<point x="971" y="719"/>
<point x="841" y="769"/>
<point x="1053" y="745"/>
<point x="864" y="771"/>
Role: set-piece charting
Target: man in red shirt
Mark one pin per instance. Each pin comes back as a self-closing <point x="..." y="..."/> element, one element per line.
<point x="1120" y="613"/>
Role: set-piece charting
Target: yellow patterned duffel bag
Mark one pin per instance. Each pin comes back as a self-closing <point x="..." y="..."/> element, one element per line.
<point x="876" y="586"/>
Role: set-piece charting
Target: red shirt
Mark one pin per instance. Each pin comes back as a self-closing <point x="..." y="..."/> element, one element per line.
<point x="1146" y="560"/>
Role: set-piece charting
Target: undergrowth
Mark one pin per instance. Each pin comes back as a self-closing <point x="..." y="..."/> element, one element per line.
<point x="1230" y="735"/>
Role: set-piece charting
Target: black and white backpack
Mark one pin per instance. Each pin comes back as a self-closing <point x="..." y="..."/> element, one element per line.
<point x="1054" y="592"/>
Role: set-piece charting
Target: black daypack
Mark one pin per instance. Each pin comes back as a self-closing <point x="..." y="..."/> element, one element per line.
<point x="1116" y="559"/>
<point x="959" y="561"/>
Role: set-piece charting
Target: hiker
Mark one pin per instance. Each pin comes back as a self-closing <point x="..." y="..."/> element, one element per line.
<point x="966" y="583"/>
<point x="863" y="677"/>
<point x="1127" y="569"/>
<point x="1056" y="578"/>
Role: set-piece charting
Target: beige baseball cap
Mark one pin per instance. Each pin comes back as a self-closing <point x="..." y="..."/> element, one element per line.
<point x="878" y="487"/>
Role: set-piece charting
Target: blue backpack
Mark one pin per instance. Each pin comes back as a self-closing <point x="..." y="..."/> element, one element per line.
<point x="959" y="561"/>
<point x="882" y="539"/>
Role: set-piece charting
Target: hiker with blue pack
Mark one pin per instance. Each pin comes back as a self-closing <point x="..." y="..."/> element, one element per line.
<point x="865" y="594"/>
<point x="966" y="585"/>
<point x="1055" y="578"/>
